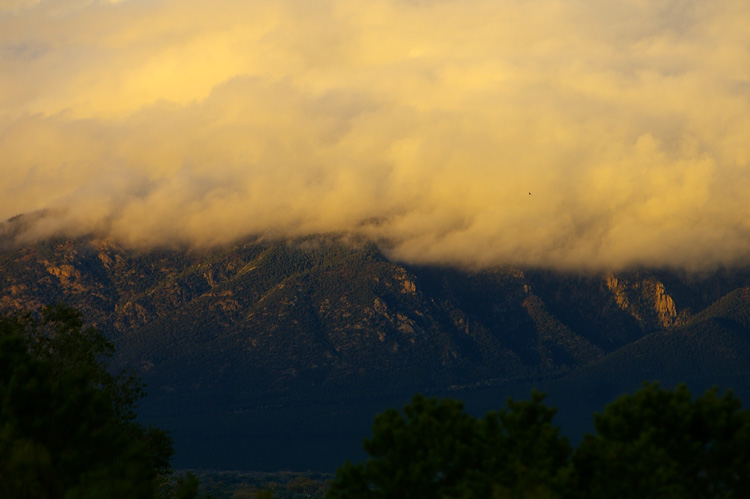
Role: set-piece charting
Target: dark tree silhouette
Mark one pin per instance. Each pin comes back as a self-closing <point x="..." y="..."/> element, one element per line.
<point x="435" y="449"/>
<point x="67" y="425"/>
<point x="655" y="443"/>
<point x="665" y="443"/>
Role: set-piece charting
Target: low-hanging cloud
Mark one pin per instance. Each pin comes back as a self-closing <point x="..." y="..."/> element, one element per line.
<point x="570" y="134"/>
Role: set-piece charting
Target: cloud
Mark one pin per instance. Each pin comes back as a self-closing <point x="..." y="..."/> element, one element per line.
<point x="423" y="125"/>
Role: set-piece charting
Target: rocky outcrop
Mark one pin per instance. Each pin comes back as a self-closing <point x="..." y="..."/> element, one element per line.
<point x="645" y="298"/>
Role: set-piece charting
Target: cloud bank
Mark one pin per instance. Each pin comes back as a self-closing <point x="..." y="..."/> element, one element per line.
<point x="561" y="133"/>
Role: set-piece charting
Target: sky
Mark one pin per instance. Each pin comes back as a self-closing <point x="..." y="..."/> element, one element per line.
<point x="571" y="134"/>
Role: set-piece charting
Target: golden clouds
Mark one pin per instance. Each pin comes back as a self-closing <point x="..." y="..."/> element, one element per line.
<point x="420" y="124"/>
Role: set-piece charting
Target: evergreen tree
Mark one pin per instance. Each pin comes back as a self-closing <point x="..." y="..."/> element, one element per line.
<point x="665" y="443"/>
<point x="435" y="449"/>
<point x="67" y="425"/>
<point x="655" y="443"/>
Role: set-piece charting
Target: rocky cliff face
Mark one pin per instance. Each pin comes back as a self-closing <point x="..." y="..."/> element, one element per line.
<point x="645" y="298"/>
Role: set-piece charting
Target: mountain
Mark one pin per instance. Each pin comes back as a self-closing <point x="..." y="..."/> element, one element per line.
<point x="262" y="340"/>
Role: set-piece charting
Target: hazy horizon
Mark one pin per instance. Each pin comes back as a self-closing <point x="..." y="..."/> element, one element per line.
<point x="568" y="134"/>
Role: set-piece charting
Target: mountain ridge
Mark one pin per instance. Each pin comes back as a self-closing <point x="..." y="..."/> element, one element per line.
<point x="340" y="298"/>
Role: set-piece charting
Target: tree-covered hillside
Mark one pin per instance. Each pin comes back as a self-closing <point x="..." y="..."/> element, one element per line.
<point x="330" y="326"/>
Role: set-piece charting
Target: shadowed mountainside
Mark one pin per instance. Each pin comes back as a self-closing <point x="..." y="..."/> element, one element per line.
<point x="324" y="320"/>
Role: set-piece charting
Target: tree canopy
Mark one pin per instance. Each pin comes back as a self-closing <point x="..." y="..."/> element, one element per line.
<point x="67" y="425"/>
<point x="435" y="449"/>
<point x="665" y="443"/>
<point x="653" y="443"/>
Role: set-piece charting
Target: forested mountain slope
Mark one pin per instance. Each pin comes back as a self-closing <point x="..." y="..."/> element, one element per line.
<point x="326" y="317"/>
